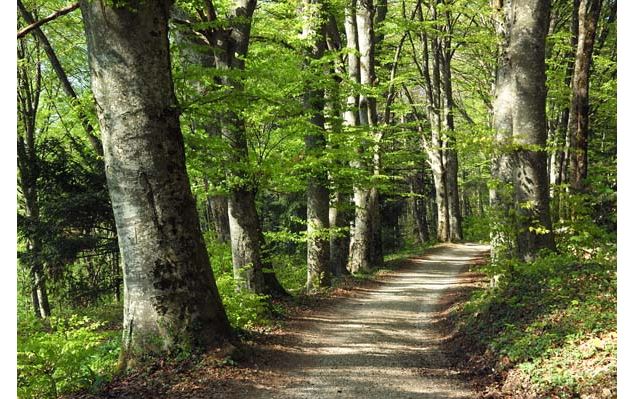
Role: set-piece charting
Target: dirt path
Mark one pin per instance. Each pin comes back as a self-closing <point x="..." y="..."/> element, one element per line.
<point x="385" y="343"/>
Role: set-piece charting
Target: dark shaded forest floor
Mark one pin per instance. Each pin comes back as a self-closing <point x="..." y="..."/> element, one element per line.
<point x="385" y="337"/>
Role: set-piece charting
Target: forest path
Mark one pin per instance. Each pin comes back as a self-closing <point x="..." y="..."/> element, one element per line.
<point x="384" y="343"/>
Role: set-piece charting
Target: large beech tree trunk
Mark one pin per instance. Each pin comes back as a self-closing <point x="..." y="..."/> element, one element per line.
<point x="318" y="270"/>
<point x="530" y="20"/>
<point x="501" y="193"/>
<point x="171" y="301"/>
<point x="589" y="12"/>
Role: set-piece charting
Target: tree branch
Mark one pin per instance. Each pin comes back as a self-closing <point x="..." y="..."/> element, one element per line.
<point x="63" y="11"/>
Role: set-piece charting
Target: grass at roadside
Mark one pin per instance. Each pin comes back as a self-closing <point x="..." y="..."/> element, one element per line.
<point x="548" y="329"/>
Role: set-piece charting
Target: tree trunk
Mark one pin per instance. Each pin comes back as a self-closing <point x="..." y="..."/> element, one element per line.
<point x="531" y="182"/>
<point x="318" y="270"/>
<point x="251" y="271"/>
<point x="359" y="259"/>
<point x="500" y="195"/>
<point x="29" y="91"/>
<point x="451" y="158"/>
<point x="366" y="249"/>
<point x="560" y="157"/>
<point x="171" y="302"/>
<point x="450" y="154"/>
<point x="217" y="205"/>
<point x="589" y="13"/>
<point x="339" y="240"/>
<point x="417" y="188"/>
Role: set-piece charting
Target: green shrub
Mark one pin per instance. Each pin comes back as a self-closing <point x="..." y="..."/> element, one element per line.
<point x="62" y="355"/>
<point x="244" y="309"/>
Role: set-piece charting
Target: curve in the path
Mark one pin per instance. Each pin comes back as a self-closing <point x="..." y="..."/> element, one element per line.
<point x="378" y="345"/>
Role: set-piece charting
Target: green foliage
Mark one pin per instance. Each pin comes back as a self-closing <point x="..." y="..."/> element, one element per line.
<point x="540" y="311"/>
<point x="244" y="309"/>
<point x="61" y="355"/>
<point x="476" y="228"/>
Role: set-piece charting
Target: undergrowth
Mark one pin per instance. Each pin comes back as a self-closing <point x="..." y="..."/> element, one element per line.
<point x="549" y="325"/>
<point x="79" y="348"/>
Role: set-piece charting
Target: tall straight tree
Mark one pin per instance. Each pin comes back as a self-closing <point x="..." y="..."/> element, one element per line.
<point x="366" y="238"/>
<point x="559" y="160"/>
<point x="530" y="21"/>
<point x="338" y="220"/>
<point x="171" y="300"/>
<point x="450" y="158"/>
<point x="229" y="41"/>
<point x="589" y="13"/>
<point x="500" y="197"/>
<point x="317" y="211"/>
<point x="435" y="30"/>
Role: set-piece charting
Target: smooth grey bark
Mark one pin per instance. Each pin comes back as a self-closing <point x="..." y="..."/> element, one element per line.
<point x="359" y="259"/>
<point x="366" y="238"/>
<point x="435" y="147"/>
<point x="217" y="205"/>
<point x="530" y="21"/>
<point x="318" y="257"/>
<point x="501" y="192"/>
<point x="63" y="78"/>
<point x="589" y="12"/>
<point x="251" y="270"/>
<point x="339" y="238"/>
<point x="451" y="158"/>
<point x="170" y="297"/>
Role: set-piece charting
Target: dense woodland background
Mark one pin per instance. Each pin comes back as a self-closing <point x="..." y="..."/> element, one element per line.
<point x="256" y="151"/>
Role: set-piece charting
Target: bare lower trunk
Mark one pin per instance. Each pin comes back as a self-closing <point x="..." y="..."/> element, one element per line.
<point x="361" y="236"/>
<point x="501" y="197"/>
<point x="217" y="205"/>
<point x="454" y="205"/>
<point x="339" y="240"/>
<point x="171" y="301"/>
<point x="244" y="228"/>
<point x="376" y="244"/>
<point x="589" y="13"/>
<point x="318" y="270"/>
<point x="417" y="188"/>
<point x="40" y="298"/>
<point x="251" y="270"/>
<point x="438" y="174"/>
<point x="531" y="182"/>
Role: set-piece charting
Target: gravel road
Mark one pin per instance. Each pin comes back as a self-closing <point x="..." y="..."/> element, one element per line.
<point x="383" y="343"/>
